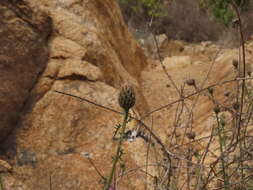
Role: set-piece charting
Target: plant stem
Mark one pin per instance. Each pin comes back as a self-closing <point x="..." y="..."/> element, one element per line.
<point x="1" y="183"/>
<point x="221" y="142"/>
<point x="118" y="152"/>
<point x="233" y="3"/>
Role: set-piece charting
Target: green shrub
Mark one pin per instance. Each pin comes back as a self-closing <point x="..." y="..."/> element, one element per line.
<point x="152" y="7"/>
<point x="222" y="9"/>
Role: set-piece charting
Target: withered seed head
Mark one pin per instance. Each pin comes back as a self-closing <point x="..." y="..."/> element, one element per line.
<point x="235" y="22"/>
<point x="236" y="105"/>
<point x="191" y="135"/>
<point x="227" y="93"/>
<point x="210" y="90"/>
<point x="235" y="63"/>
<point x="216" y="109"/>
<point x="190" y="82"/>
<point x="222" y="122"/>
<point x="126" y="97"/>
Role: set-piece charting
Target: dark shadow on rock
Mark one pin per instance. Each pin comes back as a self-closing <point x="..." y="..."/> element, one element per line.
<point x="24" y="36"/>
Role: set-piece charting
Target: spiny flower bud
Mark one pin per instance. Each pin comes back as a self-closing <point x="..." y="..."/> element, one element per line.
<point x="235" y="22"/>
<point x="223" y="122"/>
<point x="210" y="90"/>
<point x="236" y="105"/>
<point x="216" y="109"/>
<point x="227" y="93"/>
<point x="126" y="97"/>
<point x="190" y="82"/>
<point x="191" y="135"/>
<point x="235" y="63"/>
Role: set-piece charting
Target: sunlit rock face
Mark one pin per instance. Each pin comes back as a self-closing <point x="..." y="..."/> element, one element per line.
<point x="88" y="52"/>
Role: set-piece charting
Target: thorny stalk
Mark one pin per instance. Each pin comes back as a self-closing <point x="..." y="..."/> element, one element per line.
<point x="1" y="183"/>
<point x="147" y="157"/>
<point x="235" y="7"/>
<point x="118" y="152"/>
<point x="221" y="146"/>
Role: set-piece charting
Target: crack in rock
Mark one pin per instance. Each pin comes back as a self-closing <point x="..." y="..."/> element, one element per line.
<point x="73" y="77"/>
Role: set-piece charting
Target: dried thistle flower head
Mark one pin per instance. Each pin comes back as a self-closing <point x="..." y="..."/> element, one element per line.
<point x="236" y="105"/>
<point x="235" y="22"/>
<point x="190" y="82"/>
<point x="210" y="90"/>
<point x="191" y="135"/>
<point x="235" y="63"/>
<point x="126" y="97"/>
<point x="227" y="93"/>
<point x="216" y="109"/>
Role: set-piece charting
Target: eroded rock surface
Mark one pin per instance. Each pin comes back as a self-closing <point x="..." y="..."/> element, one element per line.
<point x="92" y="54"/>
<point x="23" y="56"/>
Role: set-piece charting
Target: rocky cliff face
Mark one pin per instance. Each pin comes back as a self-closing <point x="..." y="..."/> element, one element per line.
<point x="23" y="56"/>
<point x="90" y="54"/>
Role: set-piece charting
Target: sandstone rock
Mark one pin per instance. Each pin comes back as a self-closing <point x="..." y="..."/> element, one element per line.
<point x="161" y="39"/>
<point x="206" y="43"/>
<point x="5" y="166"/>
<point x="176" y="62"/>
<point x="23" y="56"/>
<point x="91" y="54"/>
<point x="172" y="48"/>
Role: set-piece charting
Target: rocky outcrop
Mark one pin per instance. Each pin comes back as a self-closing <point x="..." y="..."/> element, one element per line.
<point x="91" y="54"/>
<point x="23" y="56"/>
